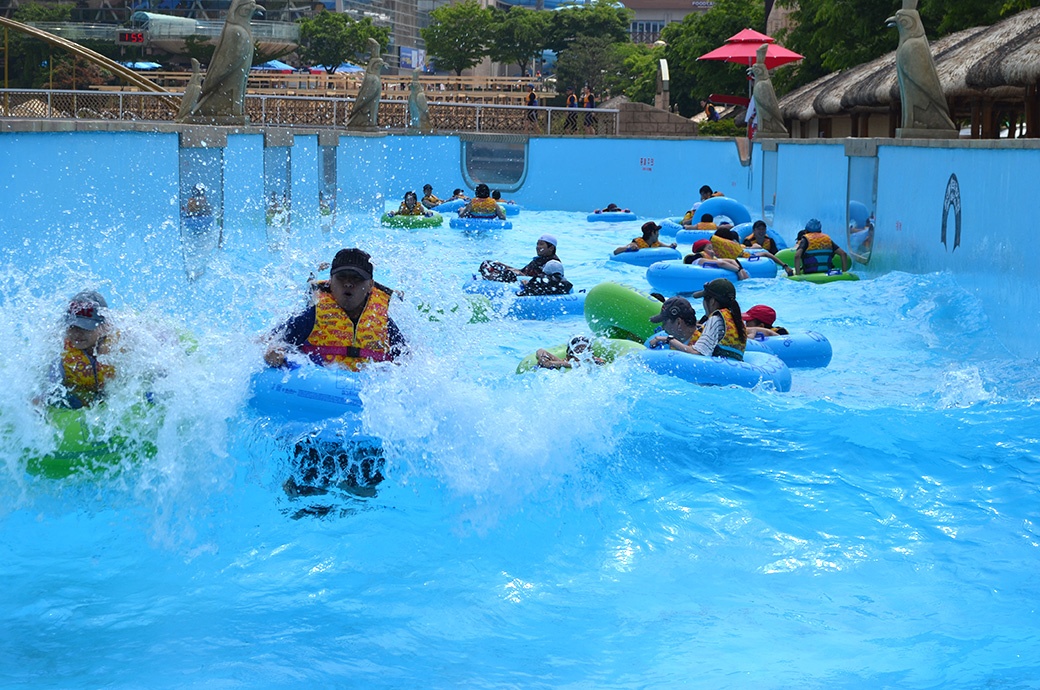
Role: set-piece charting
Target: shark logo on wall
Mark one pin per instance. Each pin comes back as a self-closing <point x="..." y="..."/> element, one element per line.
<point x="952" y="200"/>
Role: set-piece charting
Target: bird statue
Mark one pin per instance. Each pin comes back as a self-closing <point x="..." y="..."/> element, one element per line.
<point x="224" y="90"/>
<point x="191" y="92"/>
<point x="418" y="108"/>
<point x="365" y="113"/>
<point x="767" y="108"/>
<point x="924" y="105"/>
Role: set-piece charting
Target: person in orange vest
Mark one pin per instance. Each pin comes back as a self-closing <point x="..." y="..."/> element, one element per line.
<point x="83" y="369"/>
<point x="571" y="123"/>
<point x="349" y="324"/>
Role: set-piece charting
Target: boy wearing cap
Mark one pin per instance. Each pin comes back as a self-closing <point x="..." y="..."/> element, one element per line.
<point x="815" y="250"/>
<point x="722" y="334"/>
<point x="650" y="239"/>
<point x="429" y="200"/>
<point x="549" y="282"/>
<point x="80" y="372"/>
<point x="759" y="322"/>
<point x="678" y="318"/>
<point x="349" y="324"/>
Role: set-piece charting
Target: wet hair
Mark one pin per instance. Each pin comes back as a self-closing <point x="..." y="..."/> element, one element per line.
<point x="456" y="192"/>
<point x="758" y="223"/>
<point x="707" y="218"/>
<point x="483" y="191"/>
<point x="496" y="195"/>
<point x="410" y="194"/>
<point x="730" y="305"/>
<point x="427" y="186"/>
<point x="706" y="190"/>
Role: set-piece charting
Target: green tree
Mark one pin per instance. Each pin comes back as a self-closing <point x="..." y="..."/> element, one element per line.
<point x="697" y="34"/>
<point x="330" y="38"/>
<point x="600" y="19"/>
<point x="587" y="61"/>
<point x="637" y="75"/>
<point x="458" y="35"/>
<point x="518" y="36"/>
<point x="199" y="47"/>
<point x="29" y="58"/>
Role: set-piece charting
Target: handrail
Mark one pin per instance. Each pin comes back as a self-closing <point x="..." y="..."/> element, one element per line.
<point x="309" y="111"/>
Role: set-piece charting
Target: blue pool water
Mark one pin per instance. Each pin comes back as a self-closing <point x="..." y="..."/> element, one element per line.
<point x="609" y="528"/>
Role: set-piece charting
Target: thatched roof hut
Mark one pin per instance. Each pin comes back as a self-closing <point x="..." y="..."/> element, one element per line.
<point x="984" y="71"/>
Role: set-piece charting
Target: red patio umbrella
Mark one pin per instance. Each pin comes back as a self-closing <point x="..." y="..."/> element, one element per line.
<point x="741" y="48"/>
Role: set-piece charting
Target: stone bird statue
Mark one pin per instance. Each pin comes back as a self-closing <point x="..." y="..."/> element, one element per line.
<point x="924" y="105"/>
<point x="224" y="90"/>
<point x="418" y="108"/>
<point x="767" y="108"/>
<point x="365" y="113"/>
<point x="191" y="92"/>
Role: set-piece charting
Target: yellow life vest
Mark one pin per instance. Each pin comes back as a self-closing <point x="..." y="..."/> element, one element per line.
<point x="483" y="208"/>
<point x="83" y="375"/>
<point x="338" y="341"/>
<point x="727" y="249"/>
<point x="429" y="201"/>
<point x="768" y="243"/>
<point x="705" y="226"/>
<point x="416" y="210"/>
<point x="818" y="253"/>
<point x="732" y="344"/>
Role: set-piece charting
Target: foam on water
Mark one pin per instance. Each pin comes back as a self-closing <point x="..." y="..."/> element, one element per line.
<point x="606" y="527"/>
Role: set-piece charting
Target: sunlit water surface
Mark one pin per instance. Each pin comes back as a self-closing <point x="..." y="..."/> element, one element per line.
<point x="874" y="527"/>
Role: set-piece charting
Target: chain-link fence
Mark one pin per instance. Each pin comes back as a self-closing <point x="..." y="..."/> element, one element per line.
<point x="309" y="111"/>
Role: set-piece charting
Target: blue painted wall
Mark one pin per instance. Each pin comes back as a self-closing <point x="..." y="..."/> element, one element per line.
<point x="113" y="196"/>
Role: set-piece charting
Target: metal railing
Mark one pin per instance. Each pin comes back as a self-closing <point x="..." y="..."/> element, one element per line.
<point x="308" y="111"/>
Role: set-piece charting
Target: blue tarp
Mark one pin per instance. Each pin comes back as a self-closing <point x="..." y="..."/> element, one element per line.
<point x="344" y="68"/>
<point x="274" y="66"/>
<point x="141" y="65"/>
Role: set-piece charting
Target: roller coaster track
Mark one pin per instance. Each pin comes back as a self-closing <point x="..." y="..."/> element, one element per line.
<point x="124" y="73"/>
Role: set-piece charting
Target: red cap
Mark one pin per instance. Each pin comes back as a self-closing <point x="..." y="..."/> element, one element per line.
<point x="762" y="313"/>
<point x="699" y="245"/>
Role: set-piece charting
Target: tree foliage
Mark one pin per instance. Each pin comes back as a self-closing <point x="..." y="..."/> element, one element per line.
<point x="600" y="19"/>
<point x="29" y="58"/>
<point x="587" y="62"/>
<point x="837" y="34"/>
<point x="636" y="75"/>
<point x="518" y="35"/>
<point x="458" y="35"/>
<point x="332" y="38"/>
<point x="697" y="34"/>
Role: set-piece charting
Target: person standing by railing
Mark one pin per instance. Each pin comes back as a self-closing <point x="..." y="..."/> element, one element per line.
<point x="532" y="114"/>
<point x="589" y="101"/>
<point x="571" y="123"/>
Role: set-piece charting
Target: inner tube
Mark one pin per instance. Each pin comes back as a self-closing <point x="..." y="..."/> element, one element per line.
<point x="398" y="221"/>
<point x="648" y="256"/>
<point x="831" y="276"/>
<point x="723" y="206"/>
<point x="686" y="236"/>
<point x="531" y="307"/>
<point x="805" y="350"/>
<point x="745" y="229"/>
<point x="511" y="209"/>
<point x="480" y="224"/>
<point x="757" y="368"/>
<point x="309" y="393"/>
<point x="611" y="217"/>
<point x="81" y="448"/>
<point x="670" y="226"/>
<point x="604" y="348"/>
<point x="617" y="311"/>
<point x="675" y="277"/>
<point x="449" y="206"/>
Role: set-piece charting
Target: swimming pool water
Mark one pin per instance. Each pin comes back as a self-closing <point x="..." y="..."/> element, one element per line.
<point x="609" y="528"/>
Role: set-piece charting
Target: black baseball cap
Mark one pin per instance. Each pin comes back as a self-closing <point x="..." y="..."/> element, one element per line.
<point x="352" y="260"/>
<point x="676" y="308"/>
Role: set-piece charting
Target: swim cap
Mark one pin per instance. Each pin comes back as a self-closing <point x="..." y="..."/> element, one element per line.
<point x="552" y="267"/>
<point x="548" y="238"/>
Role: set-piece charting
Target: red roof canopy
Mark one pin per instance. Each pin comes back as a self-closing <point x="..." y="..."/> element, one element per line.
<point x="744" y="54"/>
<point x="750" y="36"/>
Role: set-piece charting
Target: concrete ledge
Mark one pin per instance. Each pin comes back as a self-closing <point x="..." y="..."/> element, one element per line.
<point x="278" y="137"/>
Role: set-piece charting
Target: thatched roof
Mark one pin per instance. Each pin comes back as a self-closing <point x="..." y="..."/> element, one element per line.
<point x="996" y="60"/>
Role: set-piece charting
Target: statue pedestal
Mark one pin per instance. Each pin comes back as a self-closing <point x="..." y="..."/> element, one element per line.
<point x="912" y="133"/>
<point x="220" y="120"/>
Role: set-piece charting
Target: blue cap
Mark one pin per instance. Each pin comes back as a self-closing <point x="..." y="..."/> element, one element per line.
<point x="814" y="225"/>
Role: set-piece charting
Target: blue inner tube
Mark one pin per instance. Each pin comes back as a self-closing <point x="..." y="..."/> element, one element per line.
<point x="480" y="224"/>
<point x="675" y="277"/>
<point x="309" y="394"/>
<point x="533" y="307"/>
<point x="611" y="217"/>
<point x="670" y="226"/>
<point x="511" y="209"/>
<point x="449" y="206"/>
<point x="646" y="257"/>
<point x="723" y="206"/>
<point x="805" y="350"/>
<point x="757" y="367"/>
<point x="744" y="229"/>
<point x="690" y="236"/>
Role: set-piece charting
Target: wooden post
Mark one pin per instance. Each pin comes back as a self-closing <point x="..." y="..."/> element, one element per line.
<point x="1032" y="130"/>
<point x="976" y="119"/>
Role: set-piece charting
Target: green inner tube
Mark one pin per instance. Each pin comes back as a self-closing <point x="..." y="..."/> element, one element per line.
<point x="617" y="311"/>
<point x="603" y="348"/>
<point x="787" y="256"/>
<point x="412" y="221"/>
<point x="81" y="450"/>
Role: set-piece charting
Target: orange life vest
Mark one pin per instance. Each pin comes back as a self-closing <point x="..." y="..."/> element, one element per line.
<point x="483" y="208"/>
<point x="83" y="375"/>
<point x="341" y="342"/>
<point x="732" y="344"/>
<point x="416" y="210"/>
<point x="727" y="249"/>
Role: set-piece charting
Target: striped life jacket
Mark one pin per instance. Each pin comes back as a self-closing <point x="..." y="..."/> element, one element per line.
<point x="336" y="340"/>
<point x="83" y="376"/>
<point x="727" y="249"/>
<point x="818" y="252"/>
<point x="483" y="208"/>
<point x="731" y="345"/>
